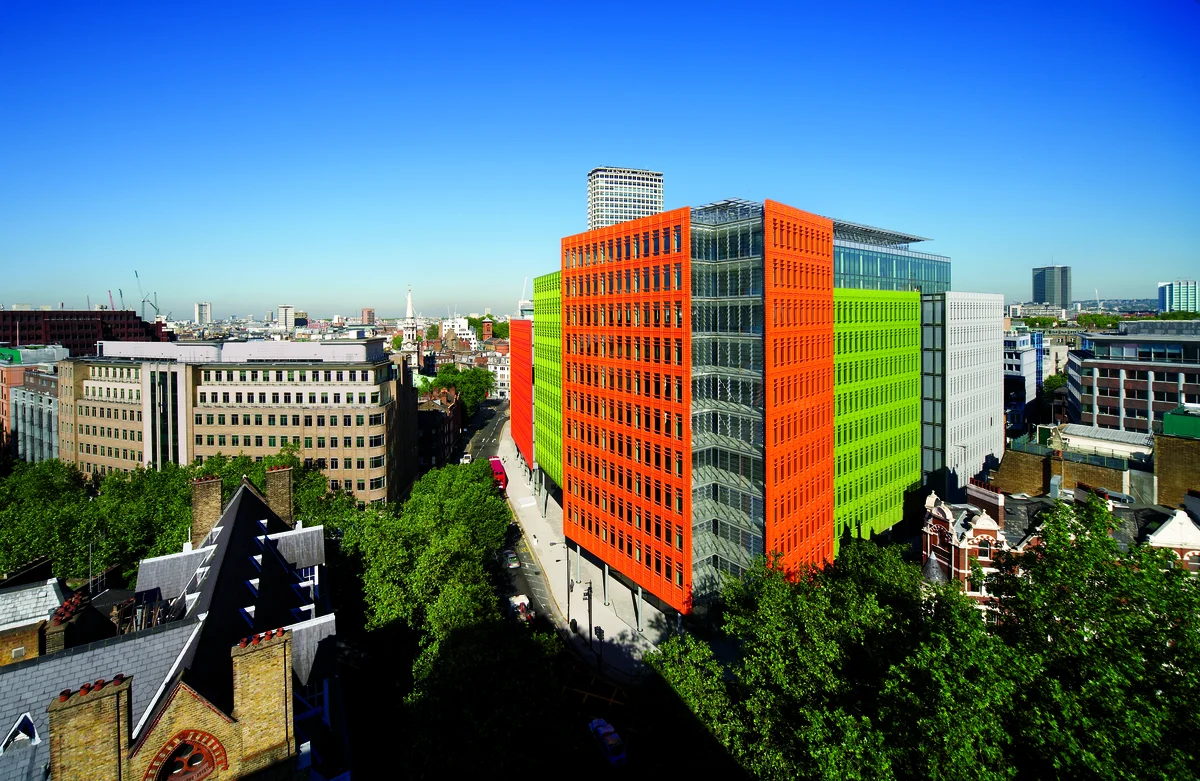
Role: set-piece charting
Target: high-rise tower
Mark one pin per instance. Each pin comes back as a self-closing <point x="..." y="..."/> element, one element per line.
<point x="1052" y="285"/>
<point x="621" y="194"/>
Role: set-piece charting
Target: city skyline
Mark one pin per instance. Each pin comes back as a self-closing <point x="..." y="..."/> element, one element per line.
<point x="235" y="166"/>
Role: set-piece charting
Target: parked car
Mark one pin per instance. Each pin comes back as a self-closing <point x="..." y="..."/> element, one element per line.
<point x="511" y="560"/>
<point x="466" y="459"/>
<point x="610" y="742"/>
<point x="521" y="609"/>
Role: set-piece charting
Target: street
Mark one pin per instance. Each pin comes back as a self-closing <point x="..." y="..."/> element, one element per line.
<point x="486" y="440"/>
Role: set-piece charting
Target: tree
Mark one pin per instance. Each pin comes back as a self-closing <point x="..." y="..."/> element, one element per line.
<point x="851" y="671"/>
<point x="397" y="341"/>
<point x="1100" y="321"/>
<point x="473" y="385"/>
<point x="1109" y="643"/>
<point x="1040" y="323"/>
<point x="432" y="331"/>
<point x="500" y="329"/>
<point x="1053" y="383"/>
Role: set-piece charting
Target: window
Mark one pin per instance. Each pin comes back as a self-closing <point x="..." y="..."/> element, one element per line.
<point x="361" y="485"/>
<point x="221" y="440"/>
<point x="358" y="420"/>
<point x="320" y="441"/>
<point x="199" y="418"/>
<point x="308" y="442"/>
<point x="270" y="441"/>
<point x="333" y="463"/>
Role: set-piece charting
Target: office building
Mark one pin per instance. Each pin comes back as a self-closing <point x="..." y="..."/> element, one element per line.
<point x="339" y="402"/>
<point x="1178" y="296"/>
<point x="547" y="375"/>
<point x="34" y="414"/>
<point x="1022" y="359"/>
<point x="287" y="317"/>
<point x="962" y="388"/>
<point x="220" y="664"/>
<point x="877" y="407"/>
<point x="204" y="313"/>
<point x="869" y="258"/>
<point x="14" y="363"/>
<point x="698" y="394"/>
<point x="1129" y="380"/>
<point x="520" y="339"/>
<point x="368" y="316"/>
<point x="1052" y="286"/>
<point x="620" y="194"/>
<point x="78" y="330"/>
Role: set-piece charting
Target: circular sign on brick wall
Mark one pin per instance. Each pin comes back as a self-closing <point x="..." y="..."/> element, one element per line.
<point x="189" y="756"/>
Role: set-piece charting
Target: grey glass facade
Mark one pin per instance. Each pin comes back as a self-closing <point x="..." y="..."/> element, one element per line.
<point x="868" y="267"/>
<point x="728" y="480"/>
<point x="1052" y="285"/>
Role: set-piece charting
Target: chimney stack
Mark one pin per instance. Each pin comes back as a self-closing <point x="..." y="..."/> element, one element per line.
<point x="279" y="492"/>
<point x="262" y="694"/>
<point x="90" y="730"/>
<point x="206" y="507"/>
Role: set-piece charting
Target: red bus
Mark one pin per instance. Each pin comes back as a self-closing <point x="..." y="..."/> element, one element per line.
<point x="499" y="473"/>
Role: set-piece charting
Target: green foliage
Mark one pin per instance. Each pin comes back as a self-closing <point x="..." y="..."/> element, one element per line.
<point x="473" y="385"/>
<point x="500" y="329"/>
<point x="1040" y="323"/>
<point x="432" y="331"/>
<point x="1090" y="670"/>
<point x="50" y="508"/>
<point x="397" y="341"/>
<point x="1053" y="383"/>
<point x="853" y="671"/>
<point x="1100" y="321"/>
<point x="1178" y="316"/>
<point x="1110" y="649"/>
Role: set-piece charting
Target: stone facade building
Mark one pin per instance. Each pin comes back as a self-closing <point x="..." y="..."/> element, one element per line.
<point x="341" y="403"/>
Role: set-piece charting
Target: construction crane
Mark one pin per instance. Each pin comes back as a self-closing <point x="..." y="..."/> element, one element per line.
<point x="141" y="293"/>
<point x="121" y="293"/>
<point x="1097" y="299"/>
<point x="111" y="305"/>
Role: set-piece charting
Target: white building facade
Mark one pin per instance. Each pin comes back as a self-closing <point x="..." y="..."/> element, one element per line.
<point x="622" y="194"/>
<point x="203" y="312"/>
<point x="962" y="394"/>
<point x="1182" y="295"/>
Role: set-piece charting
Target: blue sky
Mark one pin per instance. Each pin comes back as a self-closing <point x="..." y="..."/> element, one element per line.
<point x="330" y="155"/>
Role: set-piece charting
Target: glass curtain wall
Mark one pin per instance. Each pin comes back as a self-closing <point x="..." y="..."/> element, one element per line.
<point x="727" y="391"/>
<point x="868" y="267"/>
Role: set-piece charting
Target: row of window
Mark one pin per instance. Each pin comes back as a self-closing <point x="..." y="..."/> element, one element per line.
<point x="114" y="372"/>
<point x="651" y="243"/>
<point x="633" y="549"/>
<point x="218" y="419"/>
<point x="88" y="411"/>
<point x="648" y="419"/>
<point x="115" y="394"/>
<point x="111" y="452"/>
<point x="665" y="314"/>
<point x="1140" y="374"/>
<point x="631" y="280"/>
<point x="256" y="440"/>
<point x="254" y="375"/>
<point x="360" y="485"/>
<point x="649" y="384"/>
<point x="646" y="349"/>
<point x="108" y="432"/>
<point x="237" y="398"/>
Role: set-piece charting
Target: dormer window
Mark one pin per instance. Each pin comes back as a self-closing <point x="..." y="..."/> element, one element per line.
<point x="23" y="730"/>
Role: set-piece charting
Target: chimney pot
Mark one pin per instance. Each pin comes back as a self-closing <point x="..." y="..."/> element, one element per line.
<point x="64" y="695"/>
<point x="98" y="685"/>
<point x="257" y="639"/>
<point x="118" y="679"/>
<point x="84" y="689"/>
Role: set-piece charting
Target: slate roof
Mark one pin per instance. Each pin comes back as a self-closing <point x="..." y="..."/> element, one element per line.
<point x="1109" y="435"/>
<point x="30" y="686"/>
<point x="170" y="574"/>
<point x="302" y="547"/>
<point x="23" y="605"/>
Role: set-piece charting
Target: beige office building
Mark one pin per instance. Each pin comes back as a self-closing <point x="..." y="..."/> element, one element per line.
<point x="340" y="402"/>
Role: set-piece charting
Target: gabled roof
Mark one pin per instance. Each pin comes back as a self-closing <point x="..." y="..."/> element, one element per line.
<point x="28" y="687"/>
<point x="23" y="605"/>
<point x="1179" y="531"/>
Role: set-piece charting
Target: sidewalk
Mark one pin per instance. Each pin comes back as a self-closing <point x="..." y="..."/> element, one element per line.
<point x="624" y="646"/>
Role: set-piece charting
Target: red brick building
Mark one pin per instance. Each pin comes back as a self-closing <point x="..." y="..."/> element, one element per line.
<point x="78" y="330"/>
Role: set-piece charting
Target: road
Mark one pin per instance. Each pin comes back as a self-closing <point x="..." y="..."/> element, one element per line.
<point x="486" y="440"/>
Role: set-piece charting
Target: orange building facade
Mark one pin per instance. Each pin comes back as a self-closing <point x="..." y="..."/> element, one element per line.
<point x="698" y="394"/>
<point x="520" y="338"/>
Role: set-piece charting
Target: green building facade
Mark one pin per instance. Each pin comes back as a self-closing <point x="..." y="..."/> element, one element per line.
<point x="877" y="407"/>
<point x="547" y="375"/>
